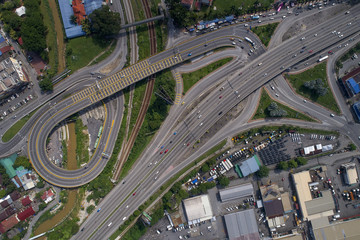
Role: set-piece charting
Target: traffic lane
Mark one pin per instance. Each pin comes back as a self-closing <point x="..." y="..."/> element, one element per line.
<point x="45" y="131"/>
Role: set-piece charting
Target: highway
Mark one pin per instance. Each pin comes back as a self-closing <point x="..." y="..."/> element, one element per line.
<point x="142" y="178"/>
<point x="254" y="75"/>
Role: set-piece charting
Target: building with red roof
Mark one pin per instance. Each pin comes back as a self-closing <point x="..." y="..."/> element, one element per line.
<point x="79" y="10"/>
<point x="20" y="41"/>
<point x="47" y="196"/>
<point x="26" y="213"/>
<point x="26" y="201"/>
<point x="8" y="223"/>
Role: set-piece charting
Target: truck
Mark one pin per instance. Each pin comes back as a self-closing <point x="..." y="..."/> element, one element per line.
<point x="352" y="196"/>
<point x="225" y="162"/>
<point x="249" y="40"/>
<point x="231" y="165"/>
<point x="323" y="58"/>
<point x="225" y="165"/>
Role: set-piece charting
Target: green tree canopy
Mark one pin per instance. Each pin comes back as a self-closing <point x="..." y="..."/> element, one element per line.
<point x="46" y="85"/>
<point x="301" y="161"/>
<point x="282" y="165"/>
<point x="104" y="22"/>
<point x="263" y="171"/>
<point x="292" y="164"/>
<point x="223" y="181"/>
<point x="352" y="147"/>
<point x="22" y="161"/>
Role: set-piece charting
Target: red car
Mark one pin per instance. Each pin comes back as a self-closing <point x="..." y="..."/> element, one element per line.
<point x="220" y="97"/>
<point x="161" y="152"/>
<point x="310" y="51"/>
<point x="188" y="144"/>
<point x="330" y="52"/>
<point x="166" y="150"/>
<point x="134" y="193"/>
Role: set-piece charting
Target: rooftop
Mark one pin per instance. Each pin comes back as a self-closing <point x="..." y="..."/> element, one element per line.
<point x="274" y="208"/>
<point x="236" y="192"/>
<point x="198" y="209"/>
<point x="242" y="225"/>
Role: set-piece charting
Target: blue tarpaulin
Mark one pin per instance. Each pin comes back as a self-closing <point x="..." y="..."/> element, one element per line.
<point x="194" y="181"/>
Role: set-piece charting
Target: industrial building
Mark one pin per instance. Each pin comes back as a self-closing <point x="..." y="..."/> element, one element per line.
<point x="316" y="209"/>
<point x="240" y="191"/>
<point x="350" y="174"/>
<point x="242" y="225"/>
<point x="340" y="230"/>
<point x="248" y="167"/>
<point x="197" y="209"/>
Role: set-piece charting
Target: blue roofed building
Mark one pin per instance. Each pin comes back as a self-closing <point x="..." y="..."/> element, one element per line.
<point x="249" y="166"/>
<point x="66" y="7"/>
<point x="356" y="108"/>
<point x="353" y="86"/>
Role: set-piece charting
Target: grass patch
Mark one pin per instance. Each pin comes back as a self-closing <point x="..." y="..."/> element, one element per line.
<point x="102" y="185"/>
<point x="65" y="154"/>
<point x="138" y="10"/>
<point x="137" y="229"/>
<point x="14" y="129"/>
<point x="78" y="54"/>
<point x="224" y="6"/>
<point x="161" y="35"/>
<point x="319" y="71"/>
<point x="265" y="101"/>
<point x="106" y="53"/>
<point x="82" y="143"/>
<point x="51" y="41"/>
<point x="138" y="97"/>
<point x="265" y="32"/>
<point x="156" y="114"/>
<point x="192" y="78"/>
<point x="143" y="41"/>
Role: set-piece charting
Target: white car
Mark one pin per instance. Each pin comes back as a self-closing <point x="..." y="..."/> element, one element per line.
<point x="233" y="43"/>
<point x="109" y="224"/>
<point x="124" y="218"/>
<point x="201" y="124"/>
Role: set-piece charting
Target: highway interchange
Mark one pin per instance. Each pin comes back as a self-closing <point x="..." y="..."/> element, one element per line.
<point x="243" y="81"/>
<point x="114" y="208"/>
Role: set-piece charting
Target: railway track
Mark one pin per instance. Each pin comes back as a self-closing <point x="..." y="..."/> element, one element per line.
<point x="146" y="100"/>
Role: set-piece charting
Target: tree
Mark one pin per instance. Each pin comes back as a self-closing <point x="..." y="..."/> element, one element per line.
<point x="224" y="181"/>
<point x="282" y="165"/>
<point x="275" y="111"/>
<point x="352" y="147"/>
<point x="46" y="85"/>
<point x="22" y="161"/>
<point x="301" y="161"/>
<point x="90" y="209"/>
<point x="205" y="168"/>
<point x="104" y="22"/>
<point x="86" y="26"/>
<point x="73" y="19"/>
<point x="292" y="164"/>
<point x="316" y="86"/>
<point x="263" y="171"/>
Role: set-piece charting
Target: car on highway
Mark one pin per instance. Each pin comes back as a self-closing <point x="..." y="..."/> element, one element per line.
<point x="332" y="115"/>
<point x="189" y="54"/>
<point x="201" y="124"/>
<point x="347" y="12"/>
<point x="310" y="51"/>
<point x="98" y="210"/>
<point x="166" y="150"/>
<point x="188" y="144"/>
<point x="134" y="193"/>
<point x="276" y="94"/>
<point x="175" y="133"/>
<point x="330" y="52"/>
<point x="124" y="218"/>
<point x="220" y="97"/>
<point x="305" y="101"/>
<point x="220" y="113"/>
<point x="161" y="152"/>
<point x="109" y="224"/>
<point x="315" y="35"/>
<point x="233" y="43"/>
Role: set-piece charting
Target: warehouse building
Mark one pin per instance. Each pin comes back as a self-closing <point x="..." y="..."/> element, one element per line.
<point x="242" y="225"/>
<point x="197" y="209"/>
<point x="312" y="208"/>
<point x="240" y="191"/>
<point x="350" y="173"/>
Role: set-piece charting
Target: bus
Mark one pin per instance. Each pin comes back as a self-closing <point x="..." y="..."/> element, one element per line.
<point x="249" y="40"/>
<point x="323" y="58"/>
<point x="279" y="8"/>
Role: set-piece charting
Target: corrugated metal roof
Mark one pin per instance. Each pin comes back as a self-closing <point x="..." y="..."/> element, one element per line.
<point x="249" y="166"/>
<point x="236" y="192"/>
<point x="242" y="225"/>
<point x="321" y="204"/>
